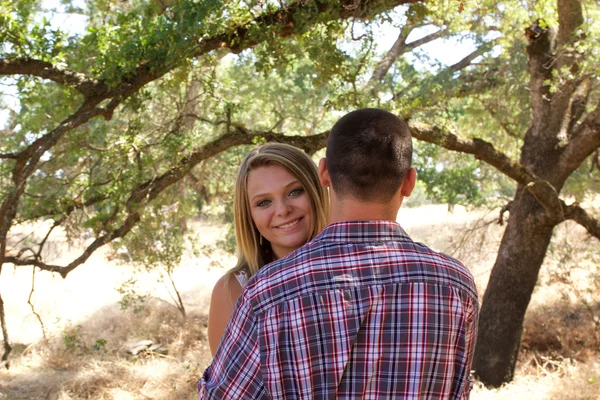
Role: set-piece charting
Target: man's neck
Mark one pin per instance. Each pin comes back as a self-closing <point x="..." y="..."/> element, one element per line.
<point x="354" y="210"/>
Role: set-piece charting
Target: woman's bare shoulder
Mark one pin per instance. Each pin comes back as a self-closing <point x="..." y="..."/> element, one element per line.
<point x="222" y="302"/>
<point x="226" y="290"/>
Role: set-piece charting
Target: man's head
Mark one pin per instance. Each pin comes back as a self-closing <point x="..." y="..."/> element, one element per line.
<point x="368" y="157"/>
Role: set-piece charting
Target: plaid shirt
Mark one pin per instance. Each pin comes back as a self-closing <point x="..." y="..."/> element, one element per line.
<point x="361" y="311"/>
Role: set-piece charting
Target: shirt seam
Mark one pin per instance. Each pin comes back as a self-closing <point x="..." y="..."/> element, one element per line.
<point x="258" y="313"/>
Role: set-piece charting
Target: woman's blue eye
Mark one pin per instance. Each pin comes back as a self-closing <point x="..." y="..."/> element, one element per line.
<point x="297" y="192"/>
<point x="263" y="203"/>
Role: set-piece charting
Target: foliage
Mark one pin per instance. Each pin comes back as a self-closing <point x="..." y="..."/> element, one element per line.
<point x="418" y="196"/>
<point x="582" y="183"/>
<point x="157" y="243"/>
<point x="130" y="296"/>
<point x="72" y="338"/>
<point x="100" y="346"/>
<point x="448" y="179"/>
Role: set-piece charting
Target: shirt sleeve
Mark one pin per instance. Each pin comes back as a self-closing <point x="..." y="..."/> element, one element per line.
<point x="235" y="370"/>
<point x="470" y="339"/>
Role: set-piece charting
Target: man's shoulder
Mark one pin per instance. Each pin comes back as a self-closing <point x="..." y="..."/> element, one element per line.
<point x="290" y="263"/>
<point x="442" y="257"/>
<point x="449" y="267"/>
<point x="279" y="280"/>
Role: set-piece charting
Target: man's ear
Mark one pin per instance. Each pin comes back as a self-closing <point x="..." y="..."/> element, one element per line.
<point x="323" y="173"/>
<point x="409" y="182"/>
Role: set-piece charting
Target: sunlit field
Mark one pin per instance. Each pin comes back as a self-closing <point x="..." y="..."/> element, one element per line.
<point x="86" y="351"/>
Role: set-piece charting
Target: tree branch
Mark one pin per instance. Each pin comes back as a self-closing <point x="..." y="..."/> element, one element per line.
<point x="448" y="71"/>
<point x="541" y="189"/>
<point x="466" y="61"/>
<point x="149" y="190"/>
<point x="570" y="17"/>
<point x="72" y="206"/>
<point x="539" y="52"/>
<point x="11" y="123"/>
<point x="27" y="262"/>
<point x="401" y="47"/>
<point x="554" y="113"/>
<point x="290" y="19"/>
<point x="475" y="82"/>
<point x="481" y="149"/>
<point x="56" y="73"/>
<point x="126" y="226"/>
<point x="9" y="156"/>
<point x="585" y="140"/>
<point x="398" y="48"/>
<point x="427" y="38"/>
<point x="239" y="136"/>
<point x="27" y="163"/>
<point x="579" y="215"/>
<point x="594" y="163"/>
<point x="575" y="107"/>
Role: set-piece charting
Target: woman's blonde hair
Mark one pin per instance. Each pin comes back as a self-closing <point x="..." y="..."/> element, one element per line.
<point x="252" y="254"/>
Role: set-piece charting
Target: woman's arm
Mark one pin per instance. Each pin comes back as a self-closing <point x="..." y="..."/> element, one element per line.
<point x="222" y="301"/>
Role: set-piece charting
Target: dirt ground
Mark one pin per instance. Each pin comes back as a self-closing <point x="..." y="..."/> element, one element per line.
<point x="84" y="352"/>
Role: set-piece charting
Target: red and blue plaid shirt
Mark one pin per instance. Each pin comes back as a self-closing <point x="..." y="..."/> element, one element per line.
<point x="361" y="311"/>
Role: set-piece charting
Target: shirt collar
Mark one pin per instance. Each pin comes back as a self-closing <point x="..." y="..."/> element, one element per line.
<point x="362" y="231"/>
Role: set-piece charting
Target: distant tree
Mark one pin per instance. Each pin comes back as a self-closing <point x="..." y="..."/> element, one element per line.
<point x="521" y="110"/>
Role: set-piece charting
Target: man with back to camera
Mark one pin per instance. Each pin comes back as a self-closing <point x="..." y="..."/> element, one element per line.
<point x="361" y="311"/>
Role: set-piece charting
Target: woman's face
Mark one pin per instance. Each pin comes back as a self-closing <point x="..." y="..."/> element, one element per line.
<point x="280" y="208"/>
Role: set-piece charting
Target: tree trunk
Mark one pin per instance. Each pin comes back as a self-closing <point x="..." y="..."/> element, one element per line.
<point x="5" y="339"/>
<point x="508" y="293"/>
<point x="530" y="226"/>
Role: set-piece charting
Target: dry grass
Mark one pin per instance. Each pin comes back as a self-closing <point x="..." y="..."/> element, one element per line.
<point x="562" y="379"/>
<point x="85" y="357"/>
<point x="71" y="365"/>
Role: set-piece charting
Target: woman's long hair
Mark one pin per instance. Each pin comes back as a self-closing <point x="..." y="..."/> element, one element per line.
<point x="251" y="254"/>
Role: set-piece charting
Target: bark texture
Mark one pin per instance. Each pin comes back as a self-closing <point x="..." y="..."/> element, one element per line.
<point x="508" y="293"/>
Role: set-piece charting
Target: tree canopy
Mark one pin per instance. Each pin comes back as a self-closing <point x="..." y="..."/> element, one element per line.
<point x="139" y="118"/>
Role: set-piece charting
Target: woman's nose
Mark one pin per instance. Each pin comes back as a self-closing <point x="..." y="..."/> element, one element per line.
<point x="283" y="207"/>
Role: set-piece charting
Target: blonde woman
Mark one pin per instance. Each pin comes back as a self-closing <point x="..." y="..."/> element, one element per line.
<point x="279" y="205"/>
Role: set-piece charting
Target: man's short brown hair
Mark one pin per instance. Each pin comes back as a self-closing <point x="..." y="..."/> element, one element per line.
<point x="369" y="152"/>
